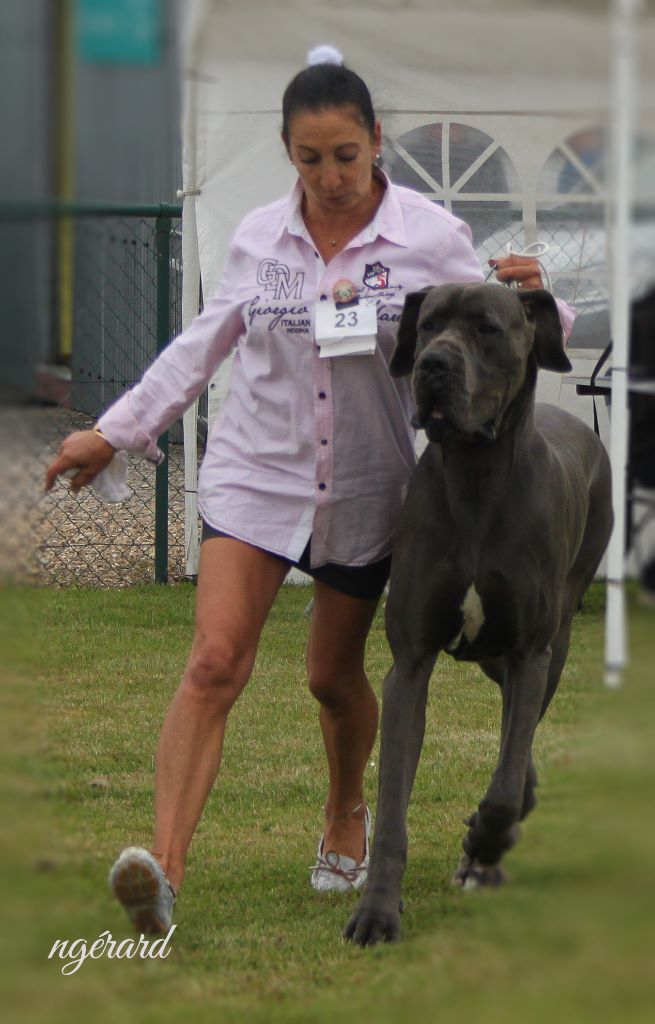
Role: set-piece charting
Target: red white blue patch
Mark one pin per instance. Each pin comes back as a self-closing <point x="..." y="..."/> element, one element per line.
<point x="376" y="275"/>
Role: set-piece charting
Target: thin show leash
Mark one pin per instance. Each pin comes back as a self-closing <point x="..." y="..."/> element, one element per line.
<point x="534" y="252"/>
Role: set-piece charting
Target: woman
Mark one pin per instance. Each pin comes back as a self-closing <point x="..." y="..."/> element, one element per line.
<point x="306" y="465"/>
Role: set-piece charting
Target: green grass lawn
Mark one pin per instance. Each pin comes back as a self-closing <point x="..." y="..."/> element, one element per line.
<point x="87" y="679"/>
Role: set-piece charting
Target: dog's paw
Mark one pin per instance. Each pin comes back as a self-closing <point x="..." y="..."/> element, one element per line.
<point x="370" y="924"/>
<point x="471" y="874"/>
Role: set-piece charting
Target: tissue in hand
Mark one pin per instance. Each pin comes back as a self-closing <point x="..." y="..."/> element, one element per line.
<point x="111" y="485"/>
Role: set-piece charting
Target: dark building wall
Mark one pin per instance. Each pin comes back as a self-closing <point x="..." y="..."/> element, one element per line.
<point x="25" y="170"/>
<point x="126" y="148"/>
<point x="128" y="144"/>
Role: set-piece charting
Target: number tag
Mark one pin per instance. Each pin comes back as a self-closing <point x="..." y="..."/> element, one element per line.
<point x="349" y="331"/>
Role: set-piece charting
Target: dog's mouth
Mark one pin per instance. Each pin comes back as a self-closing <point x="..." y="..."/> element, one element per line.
<point x="438" y="426"/>
<point x="435" y="402"/>
<point x="422" y="419"/>
<point x="442" y="411"/>
<point x="434" y="421"/>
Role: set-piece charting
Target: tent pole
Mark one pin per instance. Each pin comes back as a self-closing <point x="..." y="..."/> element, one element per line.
<point x="190" y="294"/>
<point x="622" y="133"/>
<point x="191" y="24"/>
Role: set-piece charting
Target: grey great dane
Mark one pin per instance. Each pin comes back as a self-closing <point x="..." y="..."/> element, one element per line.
<point x="506" y="519"/>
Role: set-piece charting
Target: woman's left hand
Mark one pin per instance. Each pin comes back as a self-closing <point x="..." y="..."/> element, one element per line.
<point x="522" y="269"/>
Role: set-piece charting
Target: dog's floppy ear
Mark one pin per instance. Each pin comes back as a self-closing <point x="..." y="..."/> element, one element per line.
<point x="402" y="360"/>
<point x="541" y="309"/>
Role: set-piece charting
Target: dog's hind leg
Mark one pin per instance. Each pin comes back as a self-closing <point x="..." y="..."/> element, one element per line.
<point x="560" y="650"/>
<point x="493" y="829"/>
<point x="496" y="669"/>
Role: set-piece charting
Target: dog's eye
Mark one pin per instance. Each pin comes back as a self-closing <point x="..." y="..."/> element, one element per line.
<point x="430" y="324"/>
<point x="488" y="329"/>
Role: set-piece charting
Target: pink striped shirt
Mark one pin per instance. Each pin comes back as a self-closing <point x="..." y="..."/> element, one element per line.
<point x="303" y="445"/>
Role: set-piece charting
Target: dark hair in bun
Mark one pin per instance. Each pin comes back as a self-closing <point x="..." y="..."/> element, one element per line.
<point x="326" y="83"/>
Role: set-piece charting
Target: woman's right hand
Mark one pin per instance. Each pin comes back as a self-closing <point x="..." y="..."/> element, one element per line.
<point x="86" y="451"/>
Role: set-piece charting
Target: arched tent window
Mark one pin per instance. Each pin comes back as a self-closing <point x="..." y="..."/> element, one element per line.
<point x="466" y="171"/>
<point x="571" y="196"/>
<point x="577" y="166"/>
<point x="572" y="193"/>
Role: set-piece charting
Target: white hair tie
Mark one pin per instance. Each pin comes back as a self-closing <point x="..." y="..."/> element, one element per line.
<point x="324" y="54"/>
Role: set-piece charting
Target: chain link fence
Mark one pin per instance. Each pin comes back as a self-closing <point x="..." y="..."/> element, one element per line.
<point x="578" y="260"/>
<point x="59" y="539"/>
<point x="115" y="306"/>
<point x="125" y="306"/>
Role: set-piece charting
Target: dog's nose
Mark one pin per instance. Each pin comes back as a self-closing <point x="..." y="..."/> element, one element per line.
<point x="437" y="361"/>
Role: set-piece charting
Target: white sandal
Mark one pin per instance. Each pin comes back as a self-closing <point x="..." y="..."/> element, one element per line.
<point x="335" y="872"/>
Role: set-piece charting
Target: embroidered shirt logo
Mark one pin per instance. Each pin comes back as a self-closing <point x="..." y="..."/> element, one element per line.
<point x="277" y="278"/>
<point x="376" y="275"/>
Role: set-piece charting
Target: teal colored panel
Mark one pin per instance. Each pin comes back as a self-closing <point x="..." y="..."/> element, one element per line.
<point x="118" y="31"/>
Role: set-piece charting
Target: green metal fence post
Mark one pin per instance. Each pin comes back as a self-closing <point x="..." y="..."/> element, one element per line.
<point x="163" y="250"/>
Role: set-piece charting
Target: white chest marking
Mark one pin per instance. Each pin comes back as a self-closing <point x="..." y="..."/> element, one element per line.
<point x="473" y="616"/>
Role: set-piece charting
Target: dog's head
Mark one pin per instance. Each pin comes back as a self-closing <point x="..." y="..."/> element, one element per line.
<point x="472" y="350"/>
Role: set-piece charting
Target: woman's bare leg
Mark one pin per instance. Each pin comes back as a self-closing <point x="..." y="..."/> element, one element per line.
<point x="237" y="585"/>
<point x="349" y="711"/>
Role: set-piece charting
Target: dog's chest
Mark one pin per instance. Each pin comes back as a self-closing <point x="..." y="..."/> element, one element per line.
<point x="486" y="621"/>
<point x="472" y="616"/>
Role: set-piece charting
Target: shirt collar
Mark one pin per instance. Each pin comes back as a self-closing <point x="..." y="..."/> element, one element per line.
<point x="388" y="221"/>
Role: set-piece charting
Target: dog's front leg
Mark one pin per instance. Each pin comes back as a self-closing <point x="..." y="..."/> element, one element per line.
<point x="377" y="915"/>
<point x="494" y="826"/>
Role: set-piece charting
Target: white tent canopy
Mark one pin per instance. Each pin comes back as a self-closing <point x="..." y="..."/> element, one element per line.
<point x="417" y="59"/>
<point x="521" y="85"/>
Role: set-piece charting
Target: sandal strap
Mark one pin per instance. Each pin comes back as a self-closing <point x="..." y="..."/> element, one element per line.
<point x="350" y="874"/>
<point x="332" y="861"/>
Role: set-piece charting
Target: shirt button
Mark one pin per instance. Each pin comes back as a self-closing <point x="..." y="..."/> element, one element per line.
<point x="322" y="394"/>
<point x="324" y="440"/>
<point x="323" y="298"/>
<point x="322" y="487"/>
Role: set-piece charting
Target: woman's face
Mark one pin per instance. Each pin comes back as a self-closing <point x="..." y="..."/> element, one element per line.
<point x="333" y="153"/>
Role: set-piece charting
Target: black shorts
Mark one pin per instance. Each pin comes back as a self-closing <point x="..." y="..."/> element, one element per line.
<point x="366" y="582"/>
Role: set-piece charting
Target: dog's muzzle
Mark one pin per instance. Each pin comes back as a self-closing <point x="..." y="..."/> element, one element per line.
<point x="437" y="382"/>
<point x="437" y="379"/>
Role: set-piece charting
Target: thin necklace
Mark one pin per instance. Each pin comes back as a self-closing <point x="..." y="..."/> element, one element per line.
<point x="333" y="241"/>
